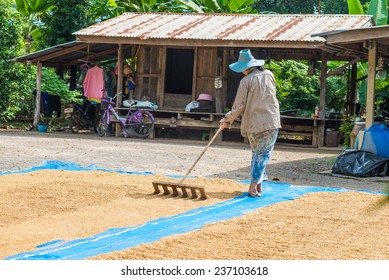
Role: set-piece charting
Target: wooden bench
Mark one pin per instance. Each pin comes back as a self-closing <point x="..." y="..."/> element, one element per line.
<point x="297" y="128"/>
<point x="182" y="119"/>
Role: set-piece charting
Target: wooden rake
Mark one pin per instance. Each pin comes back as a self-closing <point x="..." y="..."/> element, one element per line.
<point x="184" y="188"/>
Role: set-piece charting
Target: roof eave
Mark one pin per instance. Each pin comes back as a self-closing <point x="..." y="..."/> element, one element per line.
<point x="355" y="35"/>
<point x="201" y="43"/>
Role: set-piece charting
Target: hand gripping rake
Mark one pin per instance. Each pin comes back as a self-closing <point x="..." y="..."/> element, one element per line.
<point x="185" y="187"/>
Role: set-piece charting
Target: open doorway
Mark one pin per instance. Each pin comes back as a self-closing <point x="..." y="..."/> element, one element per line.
<point x="178" y="77"/>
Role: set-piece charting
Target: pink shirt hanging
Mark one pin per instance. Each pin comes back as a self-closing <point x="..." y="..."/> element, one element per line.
<point x="94" y="86"/>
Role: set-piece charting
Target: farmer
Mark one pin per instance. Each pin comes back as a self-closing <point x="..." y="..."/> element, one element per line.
<point x="257" y="104"/>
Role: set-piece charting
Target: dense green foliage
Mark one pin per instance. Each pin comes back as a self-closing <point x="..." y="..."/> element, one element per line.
<point x="51" y="84"/>
<point x="302" y="7"/>
<point x="377" y="8"/>
<point x="18" y="81"/>
<point x="13" y="76"/>
<point x="346" y="128"/>
<point x="297" y="89"/>
<point x="65" y="18"/>
<point x="108" y="8"/>
<point x="31" y="13"/>
<point x="232" y="6"/>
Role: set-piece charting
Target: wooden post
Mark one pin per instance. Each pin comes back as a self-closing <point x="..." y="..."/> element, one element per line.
<point x="352" y="91"/>
<point x="194" y="78"/>
<point x="219" y="87"/>
<point x="73" y="77"/>
<point x="38" y="94"/>
<point x="120" y="75"/>
<point x="224" y="77"/>
<point x="322" y="104"/>
<point x="119" y="85"/>
<point x="371" y="74"/>
<point x="161" y="79"/>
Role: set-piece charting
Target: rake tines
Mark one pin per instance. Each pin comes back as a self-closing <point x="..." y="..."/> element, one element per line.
<point x="177" y="186"/>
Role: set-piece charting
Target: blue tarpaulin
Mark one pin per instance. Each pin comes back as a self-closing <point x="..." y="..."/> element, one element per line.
<point x="376" y="140"/>
<point x="118" y="239"/>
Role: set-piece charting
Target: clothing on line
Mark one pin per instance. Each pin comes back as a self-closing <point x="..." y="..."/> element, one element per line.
<point x="94" y="84"/>
<point x="50" y="104"/>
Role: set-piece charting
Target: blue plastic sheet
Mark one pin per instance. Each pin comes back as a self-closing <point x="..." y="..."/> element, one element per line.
<point x="376" y="140"/>
<point x="118" y="239"/>
<point x="60" y="165"/>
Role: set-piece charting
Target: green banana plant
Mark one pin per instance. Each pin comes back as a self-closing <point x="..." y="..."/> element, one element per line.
<point x="192" y="5"/>
<point x="377" y="8"/>
<point x="145" y="5"/>
<point x="27" y="8"/>
<point x="32" y="10"/>
<point x="355" y="7"/>
<point x="104" y="9"/>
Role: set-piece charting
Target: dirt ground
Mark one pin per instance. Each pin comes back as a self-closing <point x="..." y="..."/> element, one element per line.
<point x="314" y="226"/>
<point x="289" y="164"/>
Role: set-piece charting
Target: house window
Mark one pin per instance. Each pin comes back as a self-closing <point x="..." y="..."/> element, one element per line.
<point x="179" y="71"/>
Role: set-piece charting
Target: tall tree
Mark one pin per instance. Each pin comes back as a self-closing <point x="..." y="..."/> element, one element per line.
<point x="333" y="7"/>
<point x="65" y="18"/>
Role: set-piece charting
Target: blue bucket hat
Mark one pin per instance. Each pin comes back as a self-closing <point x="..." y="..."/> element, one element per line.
<point x="245" y="61"/>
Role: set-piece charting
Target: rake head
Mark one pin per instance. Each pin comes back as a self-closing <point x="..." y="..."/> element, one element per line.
<point x="173" y="188"/>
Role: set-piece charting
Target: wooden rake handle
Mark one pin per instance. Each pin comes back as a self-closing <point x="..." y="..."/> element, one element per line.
<point x="202" y="153"/>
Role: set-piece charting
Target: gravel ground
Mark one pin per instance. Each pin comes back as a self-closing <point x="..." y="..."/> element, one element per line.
<point x="289" y="164"/>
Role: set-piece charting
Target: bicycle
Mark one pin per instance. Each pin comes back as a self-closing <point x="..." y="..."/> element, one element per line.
<point x="139" y="123"/>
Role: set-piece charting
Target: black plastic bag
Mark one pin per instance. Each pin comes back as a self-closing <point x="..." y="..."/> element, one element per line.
<point x="361" y="164"/>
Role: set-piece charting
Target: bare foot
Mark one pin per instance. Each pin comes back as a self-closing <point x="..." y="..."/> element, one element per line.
<point x="259" y="187"/>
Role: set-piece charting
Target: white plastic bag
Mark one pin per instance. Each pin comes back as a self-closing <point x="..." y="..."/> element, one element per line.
<point x="192" y="105"/>
<point x="139" y="104"/>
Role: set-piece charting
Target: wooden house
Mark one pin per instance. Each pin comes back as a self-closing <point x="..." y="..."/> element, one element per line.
<point x="179" y="56"/>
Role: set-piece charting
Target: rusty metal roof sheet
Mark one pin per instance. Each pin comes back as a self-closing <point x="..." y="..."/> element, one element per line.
<point x="228" y="27"/>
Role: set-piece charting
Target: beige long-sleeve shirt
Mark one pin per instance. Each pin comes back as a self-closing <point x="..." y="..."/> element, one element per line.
<point x="256" y="103"/>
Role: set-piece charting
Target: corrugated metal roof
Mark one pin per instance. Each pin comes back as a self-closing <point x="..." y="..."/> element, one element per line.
<point x="228" y="27"/>
<point x="72" y="53"/>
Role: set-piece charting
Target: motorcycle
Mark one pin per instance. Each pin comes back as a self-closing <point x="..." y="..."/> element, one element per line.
<point x="81" y="116"/>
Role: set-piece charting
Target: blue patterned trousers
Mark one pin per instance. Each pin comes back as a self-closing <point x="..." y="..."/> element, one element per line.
<point x="262" y="144"/>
